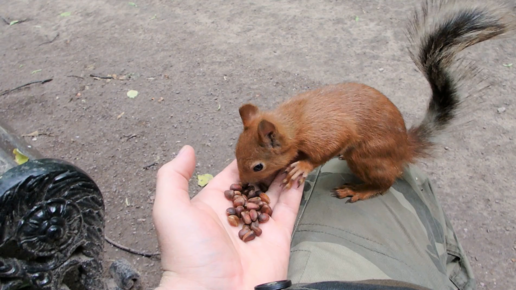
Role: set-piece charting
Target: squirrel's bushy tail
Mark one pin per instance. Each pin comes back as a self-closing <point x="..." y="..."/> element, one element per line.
<point x="438" y="32"/>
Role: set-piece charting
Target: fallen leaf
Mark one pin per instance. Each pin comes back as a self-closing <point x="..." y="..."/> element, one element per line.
<point x="36" y="71"/>
<point x="127" y="202"/>
<point x="203" y="179"/>
<point x="120" y="116"/>
<point x="66" y="14"/>
<point x="19" y="157"/>
<point x="132" y="94"/>
<point x="154" y="17"/>
<point x="14" y="22"/>
<point x="218" y="109"/>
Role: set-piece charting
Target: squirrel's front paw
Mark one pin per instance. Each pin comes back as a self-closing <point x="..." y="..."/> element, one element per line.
<point x="295" y="170"/>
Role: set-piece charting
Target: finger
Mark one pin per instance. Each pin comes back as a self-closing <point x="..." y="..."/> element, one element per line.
<point x="172" y="182"/>
<point x="287" y="206"/>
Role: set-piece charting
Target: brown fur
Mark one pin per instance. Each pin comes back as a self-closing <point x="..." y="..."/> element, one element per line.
<point x="360" y="124"/>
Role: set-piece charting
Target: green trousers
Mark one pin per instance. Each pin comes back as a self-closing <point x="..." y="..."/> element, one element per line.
<point x="402" y="236"/>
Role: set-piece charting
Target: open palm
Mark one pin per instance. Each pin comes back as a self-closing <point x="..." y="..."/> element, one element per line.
<point x="199" y="249"/>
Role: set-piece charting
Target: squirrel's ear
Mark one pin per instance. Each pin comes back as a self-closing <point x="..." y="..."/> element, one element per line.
<point x="248" y="112"/>
<point x="268" y="134"/>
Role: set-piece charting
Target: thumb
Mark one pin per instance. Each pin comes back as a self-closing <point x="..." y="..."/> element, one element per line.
<point x="172" y="182"/>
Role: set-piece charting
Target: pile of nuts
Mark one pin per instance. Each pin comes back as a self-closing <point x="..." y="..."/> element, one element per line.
<point x="251" y="206"/>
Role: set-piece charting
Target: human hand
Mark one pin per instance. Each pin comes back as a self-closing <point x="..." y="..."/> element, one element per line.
<point x="199" y="249"/>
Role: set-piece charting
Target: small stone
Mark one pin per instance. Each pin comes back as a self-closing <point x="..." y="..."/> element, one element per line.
<point x="501" y="110"/>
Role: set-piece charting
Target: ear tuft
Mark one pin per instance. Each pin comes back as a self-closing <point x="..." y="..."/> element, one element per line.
<point x="248" y="112"/>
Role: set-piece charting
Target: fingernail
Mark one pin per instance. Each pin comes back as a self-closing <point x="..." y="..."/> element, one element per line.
<point x="181" y="151"/>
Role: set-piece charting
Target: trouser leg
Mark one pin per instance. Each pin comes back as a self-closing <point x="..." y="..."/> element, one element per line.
<point x="401" y="235"/>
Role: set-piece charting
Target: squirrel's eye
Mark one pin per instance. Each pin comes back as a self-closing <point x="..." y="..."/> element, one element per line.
<point x="258" y="167"/>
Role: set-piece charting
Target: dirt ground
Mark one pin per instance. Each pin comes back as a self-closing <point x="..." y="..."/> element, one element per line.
<point x="195" y="62"/>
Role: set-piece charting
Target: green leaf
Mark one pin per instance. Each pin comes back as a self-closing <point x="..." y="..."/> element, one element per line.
<point x="36" y="71"/>
<point x="154" y="17"/>
<point x="356" y="18"/>
<point x="19" y="157"/>
<point x="132" y="4"/>
<point x="509" y="65"/>
<point x="14" y="22"/>
<point x="66" y="14"/>
<point x="203" y="179"/>
<point x="132" y="94"/>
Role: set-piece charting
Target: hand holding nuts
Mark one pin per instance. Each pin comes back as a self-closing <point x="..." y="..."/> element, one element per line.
<point x="250" y="205"/>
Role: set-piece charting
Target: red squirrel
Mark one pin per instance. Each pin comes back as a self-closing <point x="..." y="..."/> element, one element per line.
<point x="357" y="122"/>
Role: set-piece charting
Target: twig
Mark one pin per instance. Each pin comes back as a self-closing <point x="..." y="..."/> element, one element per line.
<point x="72" y="76"/>
<point x="14" y="21"/>
<point x="100" y="77"/>
<point x="5" y="20"/>
<point x="57" y="35"/>
<point x="150" y="165"/>
<point x="21" y="21"/>
<point x="25" y="85"/>
<point x="129" y="137"/>
<point x="131" y="250"/>
<point x="37" y="134"/>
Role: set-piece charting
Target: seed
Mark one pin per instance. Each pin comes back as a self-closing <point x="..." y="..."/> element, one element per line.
<point x="249" y="236"/>
<point x="251" y="206"/>
<point x="239" y="210"/>
<point x="263" y="218"/>
<point x="237" y="192"/>
<point x="246" y="217"/>
<point x="261" y="203"/>
<point x="238" y="201"/>
<point x="252" y="194"/>
<point x="253" y="215"/>
<point x="257" y="231"/>
<point x="254" y="200"/>
<point x="233" y="220"/>
<point x="229" y="194"/>
<point x="245" y="229"/>
<point x="236" y="186"/>
<point x="231" y="211"/>
<point x="266" y="209"/>
<point x="263" y="187"/>
<point x="265" y="197"/>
